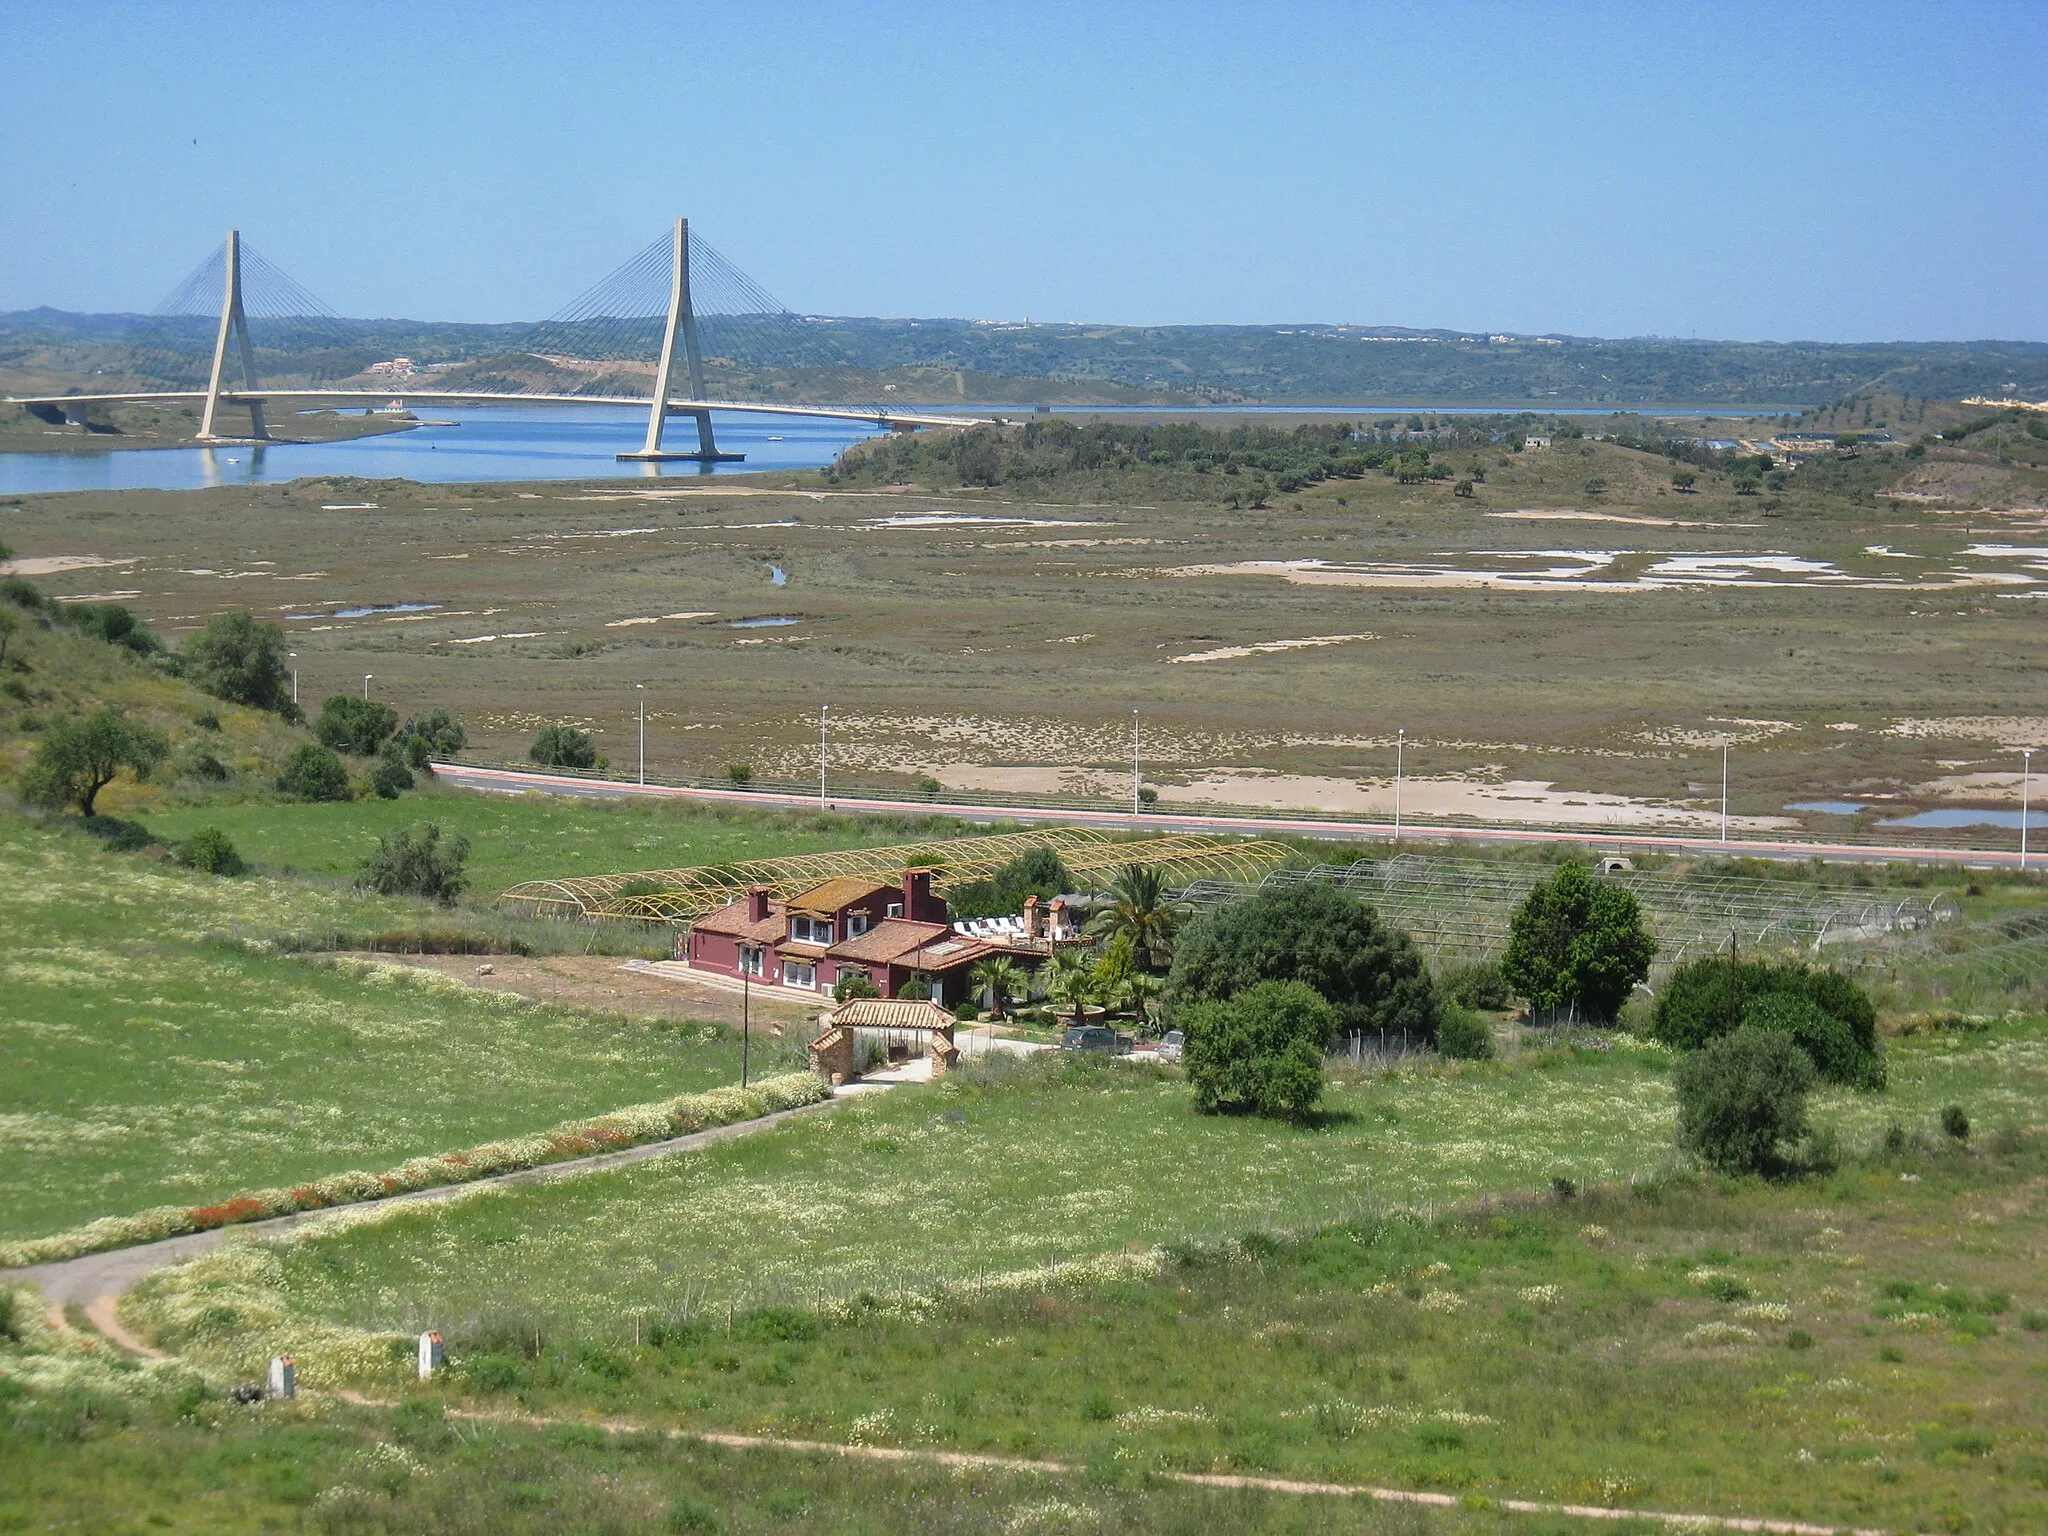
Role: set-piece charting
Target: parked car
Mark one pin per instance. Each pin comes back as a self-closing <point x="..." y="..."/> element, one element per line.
<point x="1094" y="1037"/>
<point x="1170" y="1045"/>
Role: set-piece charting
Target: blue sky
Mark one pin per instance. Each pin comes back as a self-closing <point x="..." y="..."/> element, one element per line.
<point x="1833" y="172"/>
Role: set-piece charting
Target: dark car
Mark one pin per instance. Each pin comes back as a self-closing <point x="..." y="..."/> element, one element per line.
<point x="1094" y="1037"/>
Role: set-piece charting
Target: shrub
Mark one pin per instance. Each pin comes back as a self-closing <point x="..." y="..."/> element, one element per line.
<point x="207" y="768"/>
<point x="853" y="985"/>
<point x="417" y="864"/>
<point x="1464" y="1035"/>
<point x="113" y="623"/>
<point x="1367" y="971"/>
<point x="207" y="720"/>
<point x="237" y="659"/>
<point x="314" y="773"/>
<point x="209" y="851"/>
<point x="966" y="1013"/>
<point x="436" y="733"/>
<point x="1708" y="997"/>
<point x="1825" y="1038"/>
<point x="1474" y="984"/>
<point x="79" y="758"/>
<point x="563" y="746"/>
<point x="740" y="773"/>
<point x="1741" y="1098"/>
<point x="23" y="593"/>
<point x="350" y="724"/>
<point x="1260" y="1051"/>
<point x="391" y="777"/>
<point x="1577" y="941"/>
<point x="1955" y="1124"/>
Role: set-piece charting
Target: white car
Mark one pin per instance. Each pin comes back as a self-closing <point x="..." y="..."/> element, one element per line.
<point x="1170" y="1044"/>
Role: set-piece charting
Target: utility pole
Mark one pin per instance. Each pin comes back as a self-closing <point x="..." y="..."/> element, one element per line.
<point x="2026" y="784"/>
<point x="1400" y="764"/>
<point x="366" y="687"/>
<point x="823" y="710"/>
<point x="295" y="675"/>
<point x="641" y="690"/>
<point x="1724" y="788"/>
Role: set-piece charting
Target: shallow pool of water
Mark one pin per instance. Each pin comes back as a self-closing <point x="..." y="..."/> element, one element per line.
<point x="1959" y="817"/>
<point x="768" y="621"/>
<point x="1829" y="807"/>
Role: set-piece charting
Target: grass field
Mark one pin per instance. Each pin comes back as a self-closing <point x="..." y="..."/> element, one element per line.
<point x="1844" y="640"/>
<point x="1001" y="1170"/>
<point x="532" y="837"/>
<point x="146" y="1058"/>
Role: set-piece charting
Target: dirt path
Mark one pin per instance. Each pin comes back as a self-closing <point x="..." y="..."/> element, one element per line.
<point x="99" y="1280"/>
<point x="604" y="983"/>
<point x="937" y="1458"/>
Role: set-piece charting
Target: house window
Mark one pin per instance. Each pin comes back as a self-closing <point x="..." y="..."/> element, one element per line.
<point x="895" y="909"/>
<point x="810" y="930"/>
<point x="750" y="960"/>
<point x="799" y="973"/>
<point x="856" y="924"/>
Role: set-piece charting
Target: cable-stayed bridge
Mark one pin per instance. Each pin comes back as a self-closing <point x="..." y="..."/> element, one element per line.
<point x="677" y="330"/>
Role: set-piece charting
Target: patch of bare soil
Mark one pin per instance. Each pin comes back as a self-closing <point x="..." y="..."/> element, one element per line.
<point x="601" y="983"/>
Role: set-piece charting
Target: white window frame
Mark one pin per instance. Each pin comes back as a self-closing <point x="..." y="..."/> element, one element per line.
<point x="894" y="909"/>
<point x="856" y="924"/>
<point x="800" y="973"/>
<point x="753" y="960"/>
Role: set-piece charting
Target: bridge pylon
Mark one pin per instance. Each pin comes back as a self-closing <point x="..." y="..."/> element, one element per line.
<point x="232" y="318"/>
<point x="682" y="321"/>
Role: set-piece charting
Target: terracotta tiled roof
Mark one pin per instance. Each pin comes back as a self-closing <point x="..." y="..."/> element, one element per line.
<point x="897" y="940"/>
<point x="890" y="1013"/>
<point x="733" y="922"/>
<point x="800" y="949"/>
<point x="840" y="891"/>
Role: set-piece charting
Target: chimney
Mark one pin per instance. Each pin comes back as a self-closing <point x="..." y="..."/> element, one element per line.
<point x="917" y="895"/>
<point x="1034" y="919"/>
<point x="757" y="903"/>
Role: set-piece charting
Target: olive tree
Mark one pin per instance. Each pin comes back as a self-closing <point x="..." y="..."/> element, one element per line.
<point x="79" y="758"/>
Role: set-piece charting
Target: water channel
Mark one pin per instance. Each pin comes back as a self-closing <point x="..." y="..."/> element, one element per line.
<point x="463" y="444"/>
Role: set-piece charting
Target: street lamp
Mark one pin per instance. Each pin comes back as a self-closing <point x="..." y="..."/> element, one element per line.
<point x="641" y="690"/>
<point x="2026" y="784"/>
<point x="1400" y="755"/>
<point x="366" y="686"/>
<point x="746" y="1017"/>
<point x="1135" y="796"/>
<point x="1724" y="787"/>
<point x="295" y="675"/>
<point x="823" y="710"/>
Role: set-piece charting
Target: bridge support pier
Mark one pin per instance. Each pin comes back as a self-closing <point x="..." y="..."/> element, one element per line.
<point x="232" y="319"/>
<point x="682" y="320"/>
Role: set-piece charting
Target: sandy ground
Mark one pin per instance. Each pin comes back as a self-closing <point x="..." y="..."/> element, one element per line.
<point x="1568" y="515"/>
<point x="1522" y="801"/>
<point x="50" y="565"/>
<point x="1671" y="574"/>
<point x="601" y="982"/>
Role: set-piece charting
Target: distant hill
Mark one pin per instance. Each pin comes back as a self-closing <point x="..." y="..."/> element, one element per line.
<point x="1020" y="362"/>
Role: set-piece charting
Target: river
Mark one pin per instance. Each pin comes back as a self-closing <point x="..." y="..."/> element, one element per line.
<point x="498" y="442"/>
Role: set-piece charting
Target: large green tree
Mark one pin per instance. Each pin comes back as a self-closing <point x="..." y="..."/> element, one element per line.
<point x="1260" y="1052"/>
<point x="237" y="659"/>
<point x="79" y="758"/>
<point x="1826" y="1013"/>
<point x="350" y="724"/>
<point x="1369" y="973"/>
<point x="1578" y="942"/>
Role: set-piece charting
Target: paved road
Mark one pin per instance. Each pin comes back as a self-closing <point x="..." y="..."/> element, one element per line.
<point x="513" y="781"/>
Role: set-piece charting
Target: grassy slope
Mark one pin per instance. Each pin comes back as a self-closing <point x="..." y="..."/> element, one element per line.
<point x="530" y="837"/>
<point x="148" y="1061"/>
<point x="1538" y="1349"/>
<point x="991" y="1174"/>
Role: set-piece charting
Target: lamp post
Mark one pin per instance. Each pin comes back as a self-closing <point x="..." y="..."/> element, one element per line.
<point x="366" y="687"/>
<point x="2026" y="784"/>
<point x="823" y="711"/>
<point x="1135" y="781"/>
<point x="1400" y="765"/>
<point x="746" y="1016"/>
<point x="295" y="675"/>
<point x="1724" y="788"/>
<point x="640" y="689"/>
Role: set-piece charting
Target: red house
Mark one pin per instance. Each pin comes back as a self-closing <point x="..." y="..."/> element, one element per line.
<point x="852" y="925"/>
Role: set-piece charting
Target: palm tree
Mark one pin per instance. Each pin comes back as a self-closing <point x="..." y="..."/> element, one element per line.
<point x="1142" y="911"/>
<point x="1134" y="992"/>
<point x="1070" y="980"/>
<point x="1002" y="978"/>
